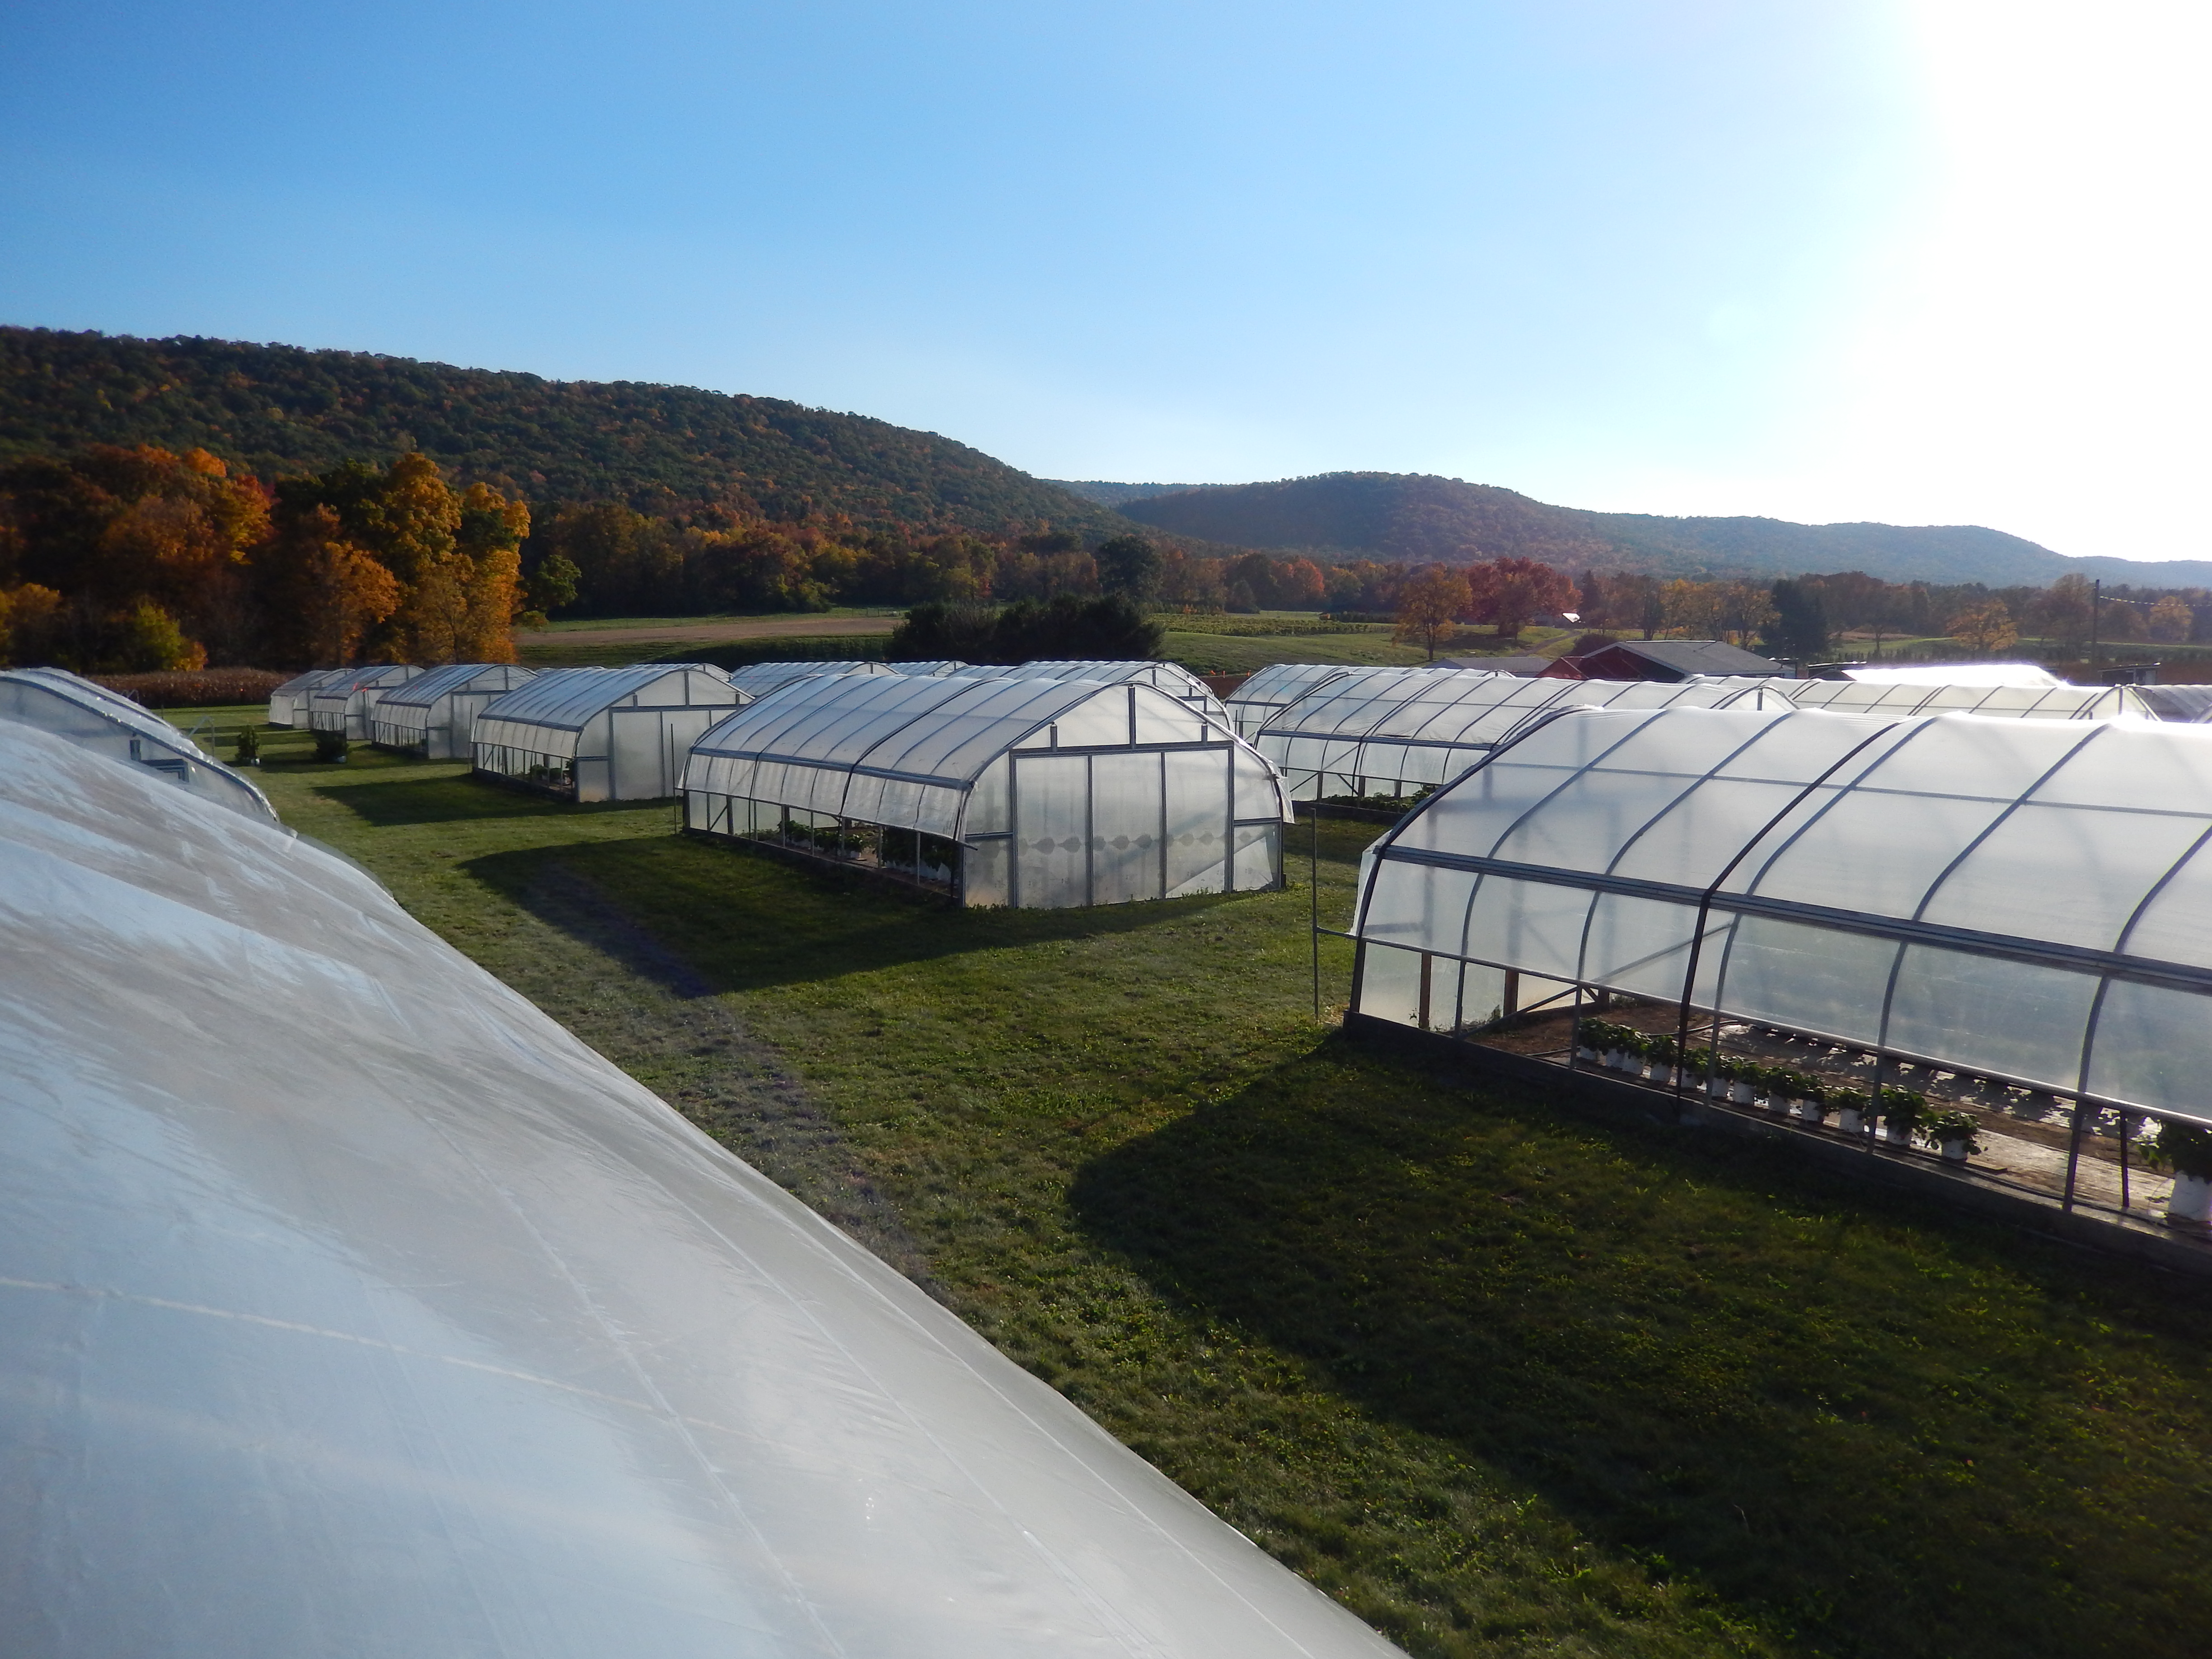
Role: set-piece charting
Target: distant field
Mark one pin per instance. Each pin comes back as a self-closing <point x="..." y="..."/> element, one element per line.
<point x="1506" y="1378"/>
<point x="609" y="642"/>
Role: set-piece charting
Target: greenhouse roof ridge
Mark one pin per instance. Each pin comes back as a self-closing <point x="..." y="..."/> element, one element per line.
<point x="567" y="698"/>
<point x="426" y="688"/>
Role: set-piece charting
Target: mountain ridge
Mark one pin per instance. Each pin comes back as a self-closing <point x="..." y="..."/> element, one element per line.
<point x="1417" y="517"/>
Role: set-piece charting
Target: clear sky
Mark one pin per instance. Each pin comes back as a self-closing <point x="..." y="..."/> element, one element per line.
<point x="1927" y="261"/>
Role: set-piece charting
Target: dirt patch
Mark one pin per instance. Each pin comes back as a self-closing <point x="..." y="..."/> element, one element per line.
<point x="716" y="633"/>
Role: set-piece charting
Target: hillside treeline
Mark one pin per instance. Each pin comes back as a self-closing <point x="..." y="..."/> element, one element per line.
<point x="121" y="560"/>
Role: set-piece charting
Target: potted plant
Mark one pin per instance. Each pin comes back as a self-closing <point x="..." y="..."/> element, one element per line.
<point x="1745" y="1081"/>
<point x="330" y="745"/>
<point x="1901" y="1111"/>
<point x="1813" y="1104"/>
<point x="1954" y="1133"/>
<point x="1856" y="1115"/>
<point x="2189" y="1150"/>
<point x="249" y="747"/>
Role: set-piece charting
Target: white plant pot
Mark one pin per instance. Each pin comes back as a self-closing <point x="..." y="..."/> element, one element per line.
<point x="1617" y="1059"/>
<point x="1854" y="1122"/>
<point x="1743" y="1094"/>
<point x="1586" y="1056"/>
<point x="1807" y="1112"/>
<point x="1954" y="1152"/>
<point x="1895" y="1136"/>
<point x="2191" y="1200"/>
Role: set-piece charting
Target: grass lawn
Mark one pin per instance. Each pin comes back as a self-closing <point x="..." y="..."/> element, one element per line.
<point x="1504" y="1378"/>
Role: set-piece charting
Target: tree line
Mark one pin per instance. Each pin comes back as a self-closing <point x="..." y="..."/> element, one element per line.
<point x="136" y="560"/>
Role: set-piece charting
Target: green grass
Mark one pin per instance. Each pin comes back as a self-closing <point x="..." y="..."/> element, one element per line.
<point x="1505" y="1377"/>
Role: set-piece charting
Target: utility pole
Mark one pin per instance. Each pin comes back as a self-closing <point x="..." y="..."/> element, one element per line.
<point x="2096" y="615"/>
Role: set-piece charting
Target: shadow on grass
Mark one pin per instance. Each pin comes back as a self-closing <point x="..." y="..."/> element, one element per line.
<point x="1872" y="1428"/>
<point x="389" y="802"/>
<point x="700" y="919"/>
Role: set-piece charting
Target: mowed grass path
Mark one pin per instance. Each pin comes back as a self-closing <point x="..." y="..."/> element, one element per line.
<point x="1503" y="1378"/>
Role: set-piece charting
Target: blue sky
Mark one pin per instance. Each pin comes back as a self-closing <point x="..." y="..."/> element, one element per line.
<point x="1919" y="260"/>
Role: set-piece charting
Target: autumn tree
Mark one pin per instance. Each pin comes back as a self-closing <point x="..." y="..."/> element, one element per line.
<point x="1507" y="592"/>
<point x="1983" y="629"/>
<point x="2170" y="620"/>
<point x="2064" y="611"/>
<point x="1799" y="628"/>
<point x="1129" y="566"/>
<point x="322" y="595"/>
<point x="1427" y="604"/>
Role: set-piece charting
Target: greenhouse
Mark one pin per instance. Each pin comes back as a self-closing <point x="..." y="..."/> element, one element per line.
<point x="287" y="703"/>
<point x="434" y="714"/>
<point x="2016" y="904"/>
<point x="345" y="702"/>
<point x="94" y="718"/>
<point x="354" y="1307"/>
<point x="593" y="734"/>
<point x="1173" y="678"/>
<point x="1036" y="793"/>
<point x="2053" y="702"/>
<point x="1267" y="691"/>
<point x="1392" y="732"/>
<point x="759" y="679"/>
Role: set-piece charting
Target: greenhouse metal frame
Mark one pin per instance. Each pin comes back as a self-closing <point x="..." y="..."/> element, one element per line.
<point x="2036" y="702"/>
<point x="1034" y="793"/>
<point x="1267" y="691"/>
<point x="344" y="702"/>
<point x="598" y="734"/>
<point x="434" y="714"/>
<point x="758" y="679"/>
<point x="2016" y="901"/>
<point x="1393" y="732"/>
<point x="101" y="722"/>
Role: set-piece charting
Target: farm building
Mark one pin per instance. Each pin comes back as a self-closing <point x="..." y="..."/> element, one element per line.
<point x="1391" y="732"/>
<point x="345" y="702"/>
<point x="426" y="1330"/>
<point x="1035" y="792"/>
<point x="1668" y="661"/>
<point x="593" y="734"/>
<point x="434" y="714"/>
<point x="1173" y="678"/>
<point x="2018" y="900"/>
<point x="93" y="719"/>
<point x="287" y="703"/>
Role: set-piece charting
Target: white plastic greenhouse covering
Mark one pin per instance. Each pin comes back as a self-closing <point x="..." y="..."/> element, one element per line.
<point x="1953" y="673"/>
<point x="1173" y="678"/>
<point x="598" y="734"/>
<point x="1032" y="793"/>
<point x="1266" y="691"/>
<point x="1394" y="731"/>
<point x="2054" y="702"/>
<point x="345" y="702"/>
<point x="758" y="679"/>
<point x="426" y="1331"/>
<point x="2020" y="899"/>
<point x="434" y="714"/>
<point x="287" y="703"/>
<point x="98" y="721"/>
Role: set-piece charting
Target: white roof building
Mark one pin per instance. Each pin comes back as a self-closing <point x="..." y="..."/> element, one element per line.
<point x="434" y="714"/>
<point x="595" y="734"/>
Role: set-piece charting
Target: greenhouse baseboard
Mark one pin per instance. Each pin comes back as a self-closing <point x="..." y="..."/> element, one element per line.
<point x="2183" y="1247"/>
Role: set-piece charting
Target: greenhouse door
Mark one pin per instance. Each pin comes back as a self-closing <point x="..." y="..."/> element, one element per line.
<point x="1052" y="830"/>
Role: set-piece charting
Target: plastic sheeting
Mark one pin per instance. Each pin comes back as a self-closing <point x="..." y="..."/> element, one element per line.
<point x="1394" y="731"/>
<point x="99" y="722"/>
<point x="435" y="713"/>
<point x="1173" y="678"/>
<point x="1054" y="792"/>
<point x="287" y="703"/>
<point x="2052" y="700"/>
<point x="345" y="702"/>
<point x="597" y="734"/>
<point x="1267" y="691"/>
<point x="758" y="679"/>
<point x="351" y="1307"/>
<point x="2022" y="899"/>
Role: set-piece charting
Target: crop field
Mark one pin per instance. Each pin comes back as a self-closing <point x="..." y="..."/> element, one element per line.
<point x="1504" y="1376"/>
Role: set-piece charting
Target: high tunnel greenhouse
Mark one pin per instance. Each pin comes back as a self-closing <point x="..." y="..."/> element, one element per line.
<point x="434" y="714"/>
<point x="345" y="702"/>
<point x="1032" y="792"/>
<point x="595" y="734"/>
<point x="2018" y="900"/>
<point x="102" y="722"/>
<point x="1394" y="731"/>
<point x="422" y="1329"/>
<point x="1173" y="678"/>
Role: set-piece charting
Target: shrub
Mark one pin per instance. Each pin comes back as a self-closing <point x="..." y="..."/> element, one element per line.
<point x="330" y="745"/>
<point x="249" y="746"/>
<point x="2185" y="1147"/>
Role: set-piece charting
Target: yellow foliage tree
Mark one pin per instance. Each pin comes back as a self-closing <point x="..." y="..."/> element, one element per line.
<point x="2170" y="620"/>
<point x="1984" y="629"/>
<point x="1426" y="606"/>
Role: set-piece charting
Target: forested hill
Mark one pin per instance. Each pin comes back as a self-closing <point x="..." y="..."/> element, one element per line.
<point x="276" y="408"/>
<point x="1406" y="516"/>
